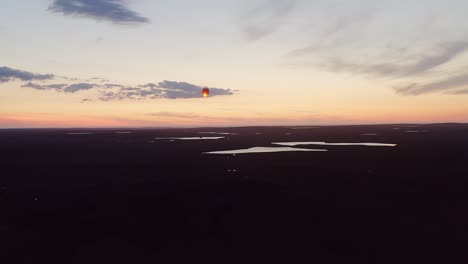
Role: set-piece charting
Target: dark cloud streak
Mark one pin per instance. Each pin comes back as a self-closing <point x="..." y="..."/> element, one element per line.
<point x="73" y="88"/>
<point x="57" y="87"/>
<point x="8" y="74"/>
<point x="79" y="87"/>
<point x="114" y="11"/>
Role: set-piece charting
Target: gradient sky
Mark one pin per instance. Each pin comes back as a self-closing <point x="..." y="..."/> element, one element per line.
<point x="108" y="63"/>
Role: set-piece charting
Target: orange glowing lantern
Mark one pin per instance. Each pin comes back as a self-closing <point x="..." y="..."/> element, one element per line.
<point x="205" y="92"/>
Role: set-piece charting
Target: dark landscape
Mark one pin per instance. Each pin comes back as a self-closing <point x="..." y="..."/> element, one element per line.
<point x="98" y="196"/>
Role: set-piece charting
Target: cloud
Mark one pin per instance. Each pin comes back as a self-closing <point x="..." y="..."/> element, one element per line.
<point x="128" y="93"/>
<point x="149" y="85"/>
<point x="116" y="92"/>
<point x="112" y="85"/>
<point x="73" y="88"/>
<point x="173" y="90"/>
<point x="405" y="67"/>
<point x="396" y="41"/>
<point x="57" y="87"/>
<point x="266" y="18"/>
<point x="337" y="27"/>
<point x="114" y="11"/>
<point x="79" y="87"/>
<point x="165" y="89"/>
<point x="97" y="79"/>
<point x="8" y="74"/>
<point x="458" y="92"/>
<point x="174" y="114"/>
<point x="450" y="85"/>
<point x="444" y="53"/>
<point x="111" y="91"/>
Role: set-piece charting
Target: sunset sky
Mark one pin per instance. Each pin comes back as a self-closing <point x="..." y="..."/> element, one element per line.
<point x="143" y="63"/>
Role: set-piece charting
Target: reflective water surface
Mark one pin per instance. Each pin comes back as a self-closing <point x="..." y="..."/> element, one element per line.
<point x="217" y="133"/>
<point x="304" y="127"/>
<point x="191" y="138"/>
<point x="292" y="144"/>
<point x="264" y="150"/>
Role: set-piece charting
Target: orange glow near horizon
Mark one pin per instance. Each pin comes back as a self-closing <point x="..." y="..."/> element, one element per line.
<point x="32" y="120"/>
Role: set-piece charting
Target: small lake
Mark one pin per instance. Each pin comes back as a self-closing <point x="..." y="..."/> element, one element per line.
<point x="292" y="144"/>
<point x="191" y="138"/>
<point x="217" y="133"/>
<point x="264" y="150"/>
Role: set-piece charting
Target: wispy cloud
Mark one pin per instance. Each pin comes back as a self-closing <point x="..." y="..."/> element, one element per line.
<point x="114" y="11"/>
<point x="380" y="40"/>
<point x="338" y="26"/>
<point x="450" y="85"/>
<point x="443" y="53"/>
<point x="67" y="88"/>
<point x="265" y="18"/>
<point x="459" y="92"/>
<point x="57" y="87"/>
<point x="8" y="74"/>
<point x="174" y="115"/>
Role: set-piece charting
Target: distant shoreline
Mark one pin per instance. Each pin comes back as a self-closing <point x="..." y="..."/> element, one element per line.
<point x="218" y="127"/>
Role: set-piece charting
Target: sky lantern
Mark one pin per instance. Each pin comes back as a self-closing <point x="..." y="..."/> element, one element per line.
<point x="205" y="92"/>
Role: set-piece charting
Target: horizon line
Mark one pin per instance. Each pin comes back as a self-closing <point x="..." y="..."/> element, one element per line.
<point x="233" y="126"/>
